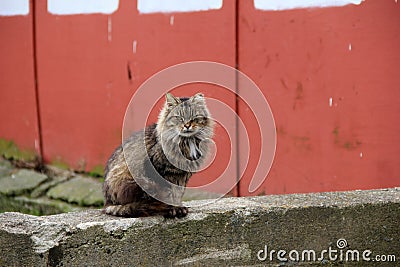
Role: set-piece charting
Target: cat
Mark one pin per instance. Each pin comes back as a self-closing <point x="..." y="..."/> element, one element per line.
<point x="148" y="173"/>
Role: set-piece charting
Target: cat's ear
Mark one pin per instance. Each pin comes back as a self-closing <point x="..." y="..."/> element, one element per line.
<point x="172" y="100"/>
<point x="197" y="97"/>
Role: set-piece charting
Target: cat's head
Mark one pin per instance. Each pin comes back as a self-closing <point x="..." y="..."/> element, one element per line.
<point x="185" y="117"/>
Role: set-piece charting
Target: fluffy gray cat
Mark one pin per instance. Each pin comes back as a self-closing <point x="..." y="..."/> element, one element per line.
<point x="148" y="173"/>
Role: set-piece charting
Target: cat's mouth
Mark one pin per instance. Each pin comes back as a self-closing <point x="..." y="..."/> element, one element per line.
<point x="187" y="133"/>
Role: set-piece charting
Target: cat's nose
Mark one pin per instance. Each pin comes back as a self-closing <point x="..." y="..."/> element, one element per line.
<point x="187" y="126"/>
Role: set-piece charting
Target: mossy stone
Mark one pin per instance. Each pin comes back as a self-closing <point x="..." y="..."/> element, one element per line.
<point x="21" y="182"/>
<point x="5" y="168"/>
<point x="80" y="190"/>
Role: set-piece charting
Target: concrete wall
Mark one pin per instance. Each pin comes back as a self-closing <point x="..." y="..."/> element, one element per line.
<point x="329" y="70"/>
<point x="232" y="231"/>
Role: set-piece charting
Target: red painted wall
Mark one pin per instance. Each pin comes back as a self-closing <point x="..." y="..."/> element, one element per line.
<point x="91" y="65"/>
<point x="329" y="75"/>
<point x="18" y="111"/>
<point x="303" y="58"/>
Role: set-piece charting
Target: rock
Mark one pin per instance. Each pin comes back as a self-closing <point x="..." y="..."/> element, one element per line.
<point x="196" y="194"/>
<point x="35" y="206"/>
<point x="80" y="190"/>
<point x="5" y="168"/>
<point x="42" y="189"/>
<point x="55" y="172"/>
<point x="229" y="232"/>
<point x="21" y="182"/>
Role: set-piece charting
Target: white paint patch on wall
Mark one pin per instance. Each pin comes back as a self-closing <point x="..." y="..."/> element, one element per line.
<point x="169" y="6"/>
<point x="134" y="46"/>
<point x="73" y="7"/>
<point x="14" y="7"/>
<point x="273" y="5"/>
<point x="109" y="29"/>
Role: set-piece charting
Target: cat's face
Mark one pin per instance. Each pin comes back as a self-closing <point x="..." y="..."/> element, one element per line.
<point x="186" y="117"/>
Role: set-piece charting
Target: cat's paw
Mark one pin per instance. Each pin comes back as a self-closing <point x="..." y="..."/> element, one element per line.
<point x="118" y="210"/>
<point x="177" y="212"/>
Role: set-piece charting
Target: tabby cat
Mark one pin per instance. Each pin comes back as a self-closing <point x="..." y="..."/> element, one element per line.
<point x="148" y="173"/>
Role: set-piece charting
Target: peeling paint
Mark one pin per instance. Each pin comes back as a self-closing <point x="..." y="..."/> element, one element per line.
<point x="134" y="46"/>
<point x="109" y="29"/>
<point x="302" y="143"/>
<point x="330" y="101"/>
<point x="128" y="68"/>
<point x="299" y="94"/>
<point x="348" y="143"/>
<point x="14" y="7"/>
<point x="162" y="6"/>
<point x="275" y="5"/>
<point x="73" y="7"/>
<point x="284" y="84"/>
<point x="335" y="132"/>
<point x="350" y="47"/>
<point x="299" y="91"/>
<point x="37" y="147"/>
<point x="171" y="20"/>
<point x="281" y="131"/>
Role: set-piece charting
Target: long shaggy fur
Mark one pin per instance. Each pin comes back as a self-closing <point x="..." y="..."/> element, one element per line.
<point x="173" y="148"/>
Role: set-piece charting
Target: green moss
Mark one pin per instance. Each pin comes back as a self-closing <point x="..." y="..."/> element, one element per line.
<point x="97" y="171"/>
<point x="81" y="165"/>
<point x="60" y="164"/>
<point x="9" y="150"/>
<point x="35" y="206"/>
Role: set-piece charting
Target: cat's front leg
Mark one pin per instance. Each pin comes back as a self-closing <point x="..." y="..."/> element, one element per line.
<point x="176" y="210"/>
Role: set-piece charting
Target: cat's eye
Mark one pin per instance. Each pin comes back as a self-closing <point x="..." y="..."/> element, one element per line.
<point x="176" y="118"/>
<point x="199" y="119"/>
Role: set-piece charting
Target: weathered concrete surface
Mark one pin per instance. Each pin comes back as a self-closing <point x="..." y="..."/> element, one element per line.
<point x="228" y="232"/>
<point x="35" y="206"/>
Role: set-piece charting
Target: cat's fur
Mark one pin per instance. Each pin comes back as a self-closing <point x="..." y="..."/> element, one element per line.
<point x="172" y="149"/>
